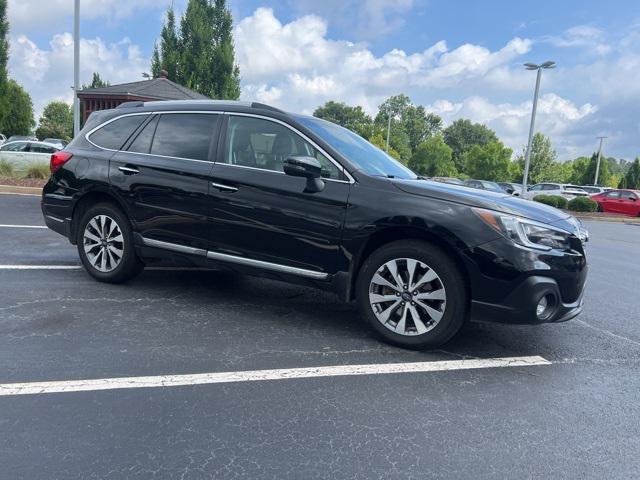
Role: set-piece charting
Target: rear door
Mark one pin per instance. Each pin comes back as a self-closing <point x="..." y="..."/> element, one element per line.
<point x="611" y="202"/>
<point x="38" y="153"/>
<point x="162" y="174"/>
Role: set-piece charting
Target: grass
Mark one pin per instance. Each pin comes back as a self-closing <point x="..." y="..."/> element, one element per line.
<point x="6" y="169"/>
<point x="37" y="170"/>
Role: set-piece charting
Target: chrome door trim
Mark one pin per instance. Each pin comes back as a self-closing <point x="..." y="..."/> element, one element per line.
<point x="149" y="242"/>
<point x="226" y="188"/>
<point x="224" y="257"/>
<point x="128" y="170"/>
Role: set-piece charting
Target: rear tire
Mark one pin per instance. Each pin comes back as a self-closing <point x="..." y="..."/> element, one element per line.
<point x="105" y="244"/>
<point x="427" y="303"/>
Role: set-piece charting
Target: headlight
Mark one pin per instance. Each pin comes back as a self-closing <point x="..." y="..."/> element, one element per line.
<point x="524" y="232"/>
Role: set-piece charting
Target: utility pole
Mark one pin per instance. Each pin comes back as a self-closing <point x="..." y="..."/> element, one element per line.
<point x="527" y="156"/>
<point x="76" y="68"/>
<point x="595" y="182"/>
<point x="388" y="130"/>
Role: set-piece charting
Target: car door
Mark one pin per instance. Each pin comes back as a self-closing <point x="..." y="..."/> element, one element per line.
<point x="611" y="202"/>
<point x="263" y="215"/>
<point x="628" y="203"/>
<point x="13" y="152"/>
<point x="38" y="153"/>
<point x="162" y="174"/>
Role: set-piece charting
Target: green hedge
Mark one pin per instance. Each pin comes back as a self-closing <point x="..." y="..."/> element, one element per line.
<point x="553" y="200"/>
<point x="583" y="204"/>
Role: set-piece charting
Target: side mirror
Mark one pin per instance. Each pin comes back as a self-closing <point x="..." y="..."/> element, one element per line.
<point x="306" y="167"/>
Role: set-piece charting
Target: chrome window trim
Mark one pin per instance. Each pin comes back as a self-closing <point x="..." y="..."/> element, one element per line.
<point x="277" y="267"/>
<point x="305" y="137"/>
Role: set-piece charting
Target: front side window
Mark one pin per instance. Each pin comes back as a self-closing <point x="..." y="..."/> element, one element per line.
<point x="14" y="147"/>
<point x="184" y="135"/>
<point x="536" y="188"/>
<point x="259" y="143"/>
<point x="627" y="196"/>
<point x="113" y="135"/>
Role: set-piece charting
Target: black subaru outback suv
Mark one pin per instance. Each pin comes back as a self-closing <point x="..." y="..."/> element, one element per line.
<point x="247" y="187"/>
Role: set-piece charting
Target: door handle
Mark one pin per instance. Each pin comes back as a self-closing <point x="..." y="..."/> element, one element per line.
<point x="128" y="170"/>
<point x="224" y="188"/>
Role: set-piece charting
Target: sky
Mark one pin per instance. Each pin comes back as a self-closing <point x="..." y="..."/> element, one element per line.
<point x="458" y="58"/>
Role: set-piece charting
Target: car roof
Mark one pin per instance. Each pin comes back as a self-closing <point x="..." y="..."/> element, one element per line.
<point x="197" y="105"/>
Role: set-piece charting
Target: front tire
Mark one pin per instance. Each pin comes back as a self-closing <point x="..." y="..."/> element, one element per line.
<point x="105" y="244"/>
<point x="412" y="294"/>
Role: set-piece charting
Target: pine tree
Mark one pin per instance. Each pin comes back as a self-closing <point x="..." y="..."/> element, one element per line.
<point x="167" y="56"/>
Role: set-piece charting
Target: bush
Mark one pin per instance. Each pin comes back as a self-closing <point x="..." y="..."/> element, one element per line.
<point x="583" y="204"/>
<point x="37" y="170"/>
<point x="553" y="200"/>
<point x="6" y="169"/>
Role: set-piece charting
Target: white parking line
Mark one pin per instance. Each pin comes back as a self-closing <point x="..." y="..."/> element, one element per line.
<point x="22" y="226"/>
<point x="35" y="388"/>
<point x="40" y="267"/>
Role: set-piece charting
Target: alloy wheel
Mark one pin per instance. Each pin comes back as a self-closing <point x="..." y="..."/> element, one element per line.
<point x="407" y="296"/>
<point x="103" y="243"/>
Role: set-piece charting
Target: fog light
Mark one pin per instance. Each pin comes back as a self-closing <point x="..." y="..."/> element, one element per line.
<point x="545" y="307"/>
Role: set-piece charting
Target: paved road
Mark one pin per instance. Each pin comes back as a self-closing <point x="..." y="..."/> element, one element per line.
<point x="574" y="418"/>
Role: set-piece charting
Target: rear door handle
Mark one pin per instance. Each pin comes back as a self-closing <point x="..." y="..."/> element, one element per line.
<point x="224" y="188"/>
<point x="128" y="170"/>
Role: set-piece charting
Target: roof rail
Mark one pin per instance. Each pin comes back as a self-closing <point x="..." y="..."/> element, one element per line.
<point x="265" y="107"/>
<point x="135" y="103"/>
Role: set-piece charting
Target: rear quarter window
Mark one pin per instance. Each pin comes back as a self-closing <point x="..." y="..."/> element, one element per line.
<point x="114" y="134"/>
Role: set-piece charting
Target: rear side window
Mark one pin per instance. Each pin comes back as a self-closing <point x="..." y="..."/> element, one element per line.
<point x="114" y="134"/>
<point x="184" y="135"/>
<point x="615" y="194"/>
<point x="34" y="147"/>
<point x="15" y="147"/>
<point x="142" y="143"/>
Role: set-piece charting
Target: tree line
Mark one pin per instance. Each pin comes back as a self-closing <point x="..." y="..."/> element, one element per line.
<point x="465" y="149"/>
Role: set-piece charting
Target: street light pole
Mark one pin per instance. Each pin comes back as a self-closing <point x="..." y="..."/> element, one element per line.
<point x="527" y="156"/>
<point x="595" y="182"/>
<point x="76" y="68"/>
<point x="388" y="131"/>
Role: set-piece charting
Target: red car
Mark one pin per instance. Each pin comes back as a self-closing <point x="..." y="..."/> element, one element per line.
<point x="626" y="202"/>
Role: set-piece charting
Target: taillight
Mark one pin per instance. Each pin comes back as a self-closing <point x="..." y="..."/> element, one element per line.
<point x="58" y="159"/>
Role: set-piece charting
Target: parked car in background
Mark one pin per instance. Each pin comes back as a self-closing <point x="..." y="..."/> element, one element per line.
<point x="2" y="139"/>
<point x="484" y="185"/>
<point x="511" y="188"/>
<point x="449" y="180"/>
<point x="567" y="191"/>
<point x="24" y="153"/>
<point x="257" y="190"/>
<point x="56" y="141"/>
<point x="15" y="138"/>
<point x="626" y="202"/>
<point x="592" y="189"/>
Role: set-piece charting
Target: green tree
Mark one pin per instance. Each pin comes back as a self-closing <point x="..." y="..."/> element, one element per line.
<point x="462" y="135"/>
<point x="488" y="162"/>
<point x="19" y="118"/>
<point x="417" y="123"/>
<point x="543" y="157"/>
<point x="96" y="82"/>
<point x="381" y="143"/>
<point x="589" y="173"/>
<point x="4" y="59"/>
<point x="56" y="121"/>
<point x="353" y="118"/>
<point x="632" y="178"/>
<point x="204" y="59"/>
<point x="433" y="159"/>
<point x="168" y="55"/>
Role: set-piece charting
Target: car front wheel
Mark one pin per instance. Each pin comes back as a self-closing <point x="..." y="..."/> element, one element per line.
<point x="412" y="294"/>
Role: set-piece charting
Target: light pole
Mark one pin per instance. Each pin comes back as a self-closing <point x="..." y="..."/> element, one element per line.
<point x="388" y="130"/>
<point x="76" y="67"/>
<point x="527" y="156"/>
<point x="595" y="182"/>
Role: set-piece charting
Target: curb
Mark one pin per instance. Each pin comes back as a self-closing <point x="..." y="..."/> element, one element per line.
<point x="20" y="190"/>
<point x="628" y="220"/>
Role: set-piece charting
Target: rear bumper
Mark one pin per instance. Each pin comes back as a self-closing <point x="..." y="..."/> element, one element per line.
<point x="519" y="307"/>
<point x="59" y="225"/>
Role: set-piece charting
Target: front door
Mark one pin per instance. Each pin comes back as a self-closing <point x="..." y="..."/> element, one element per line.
<point x="162" y="173"/>
<point x="260" y="213"/>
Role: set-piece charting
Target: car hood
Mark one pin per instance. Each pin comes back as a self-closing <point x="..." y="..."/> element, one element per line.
<point x="483" y="199"/>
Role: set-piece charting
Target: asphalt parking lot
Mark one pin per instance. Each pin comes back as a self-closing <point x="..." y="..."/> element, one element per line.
<point x="573" y="414"/>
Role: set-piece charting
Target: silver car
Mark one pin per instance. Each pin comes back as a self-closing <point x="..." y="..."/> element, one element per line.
<point x="23" y="153"/>
<point x="567" y="191"/>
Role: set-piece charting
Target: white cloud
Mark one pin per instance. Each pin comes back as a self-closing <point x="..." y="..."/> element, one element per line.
<point x="35" y="15"/>
<point x="47" y="74"/>
<point x="582" y="36"/>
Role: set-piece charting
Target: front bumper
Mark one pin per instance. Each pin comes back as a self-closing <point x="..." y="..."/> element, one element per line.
<point x="519" y="307"/>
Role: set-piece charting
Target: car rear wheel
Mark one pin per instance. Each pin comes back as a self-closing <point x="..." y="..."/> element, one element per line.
<point x="412" y="294"/>
<point x="105" y="244"/>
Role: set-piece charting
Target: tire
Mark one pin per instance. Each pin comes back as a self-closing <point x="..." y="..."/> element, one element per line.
<point x="117" y="237"/>
<point x="599" y="209"/>
<point x="437" y="284"/>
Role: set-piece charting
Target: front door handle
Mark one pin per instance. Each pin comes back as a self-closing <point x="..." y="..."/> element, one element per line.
<point x="128" y="170"/>
<point x="224" y="188"/>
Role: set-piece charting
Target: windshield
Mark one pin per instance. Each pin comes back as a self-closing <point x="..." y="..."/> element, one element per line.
<point x="367" y="157"/>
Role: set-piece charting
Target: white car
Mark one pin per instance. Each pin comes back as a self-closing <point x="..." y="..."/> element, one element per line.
<point x="22" y="153"/>
<point x="567" y="191"/>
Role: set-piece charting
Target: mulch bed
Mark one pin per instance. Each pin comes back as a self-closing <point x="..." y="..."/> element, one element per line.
<point x="23" y="182"/>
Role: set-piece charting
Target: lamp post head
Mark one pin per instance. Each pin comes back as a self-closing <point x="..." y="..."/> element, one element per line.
<point x="533" y="66"/>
